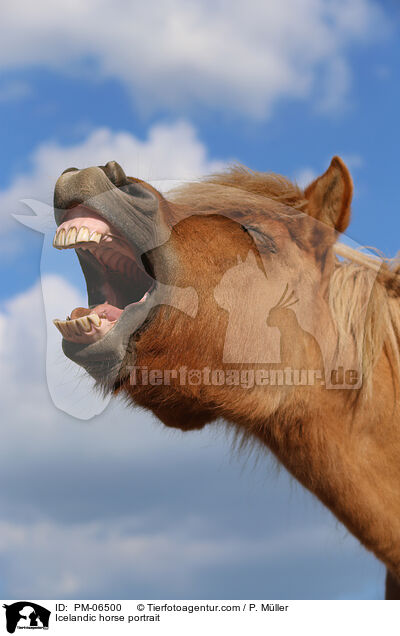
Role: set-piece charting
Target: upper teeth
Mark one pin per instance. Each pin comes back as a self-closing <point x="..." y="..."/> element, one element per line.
<point x="73" y="236"/>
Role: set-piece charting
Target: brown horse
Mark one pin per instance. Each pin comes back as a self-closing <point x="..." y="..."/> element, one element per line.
<point x="181" y="301"/>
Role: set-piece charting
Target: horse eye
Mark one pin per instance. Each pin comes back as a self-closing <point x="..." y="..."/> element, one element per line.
<point x="261" y="239"/>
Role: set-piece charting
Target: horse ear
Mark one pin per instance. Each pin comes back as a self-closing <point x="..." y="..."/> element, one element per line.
<point x="329" y="196"/>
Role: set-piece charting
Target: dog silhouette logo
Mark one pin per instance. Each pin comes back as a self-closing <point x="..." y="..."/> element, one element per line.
<point x="26" y="615"/>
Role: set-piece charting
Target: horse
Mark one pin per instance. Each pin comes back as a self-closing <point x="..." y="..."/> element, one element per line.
<point x="242" y="274"/>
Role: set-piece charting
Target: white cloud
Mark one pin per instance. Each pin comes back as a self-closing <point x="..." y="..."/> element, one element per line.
<point x="243" y="55"/>
<point x="97" y="558"/>
<point x="171" y="153"/>
<point x="23" y="346"/>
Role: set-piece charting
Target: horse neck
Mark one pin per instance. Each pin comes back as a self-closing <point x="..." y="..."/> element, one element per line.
<point x="346" y="449"/>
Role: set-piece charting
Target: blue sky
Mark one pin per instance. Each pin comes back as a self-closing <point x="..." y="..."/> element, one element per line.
<point x="173" y="90"/>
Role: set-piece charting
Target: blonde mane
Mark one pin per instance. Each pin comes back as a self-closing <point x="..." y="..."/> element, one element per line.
<point x="364" y="290"/>
<point x="239" y="187"/>
<point x="364" y="300"/>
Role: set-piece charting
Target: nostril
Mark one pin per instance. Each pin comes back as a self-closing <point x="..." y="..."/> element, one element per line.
<point x="115" y="173"/>
<point x="70" y="170"/>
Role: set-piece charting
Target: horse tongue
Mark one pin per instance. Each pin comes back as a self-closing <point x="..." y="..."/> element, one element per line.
<point x="79" y="312"/>
<point x="103" y="311"/>
<point x="107" y="311"/>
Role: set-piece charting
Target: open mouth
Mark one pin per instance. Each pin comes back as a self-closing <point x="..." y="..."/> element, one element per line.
<point x="115" y="279"/>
